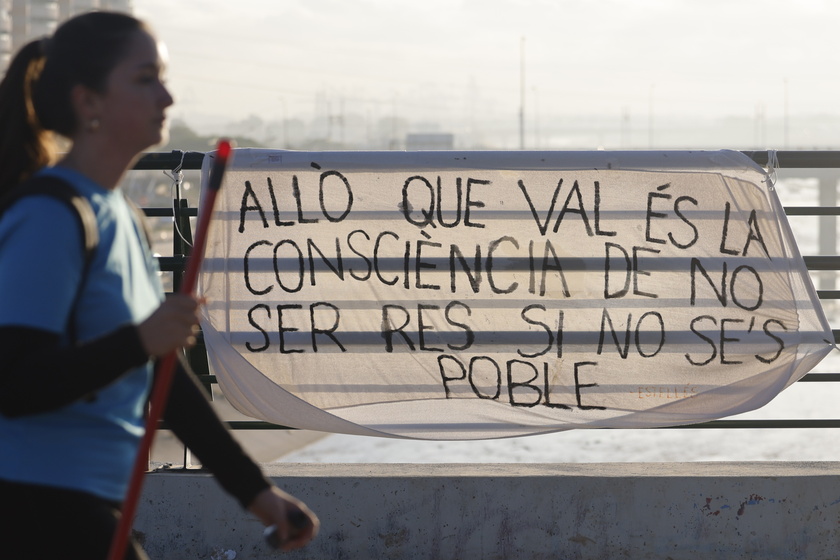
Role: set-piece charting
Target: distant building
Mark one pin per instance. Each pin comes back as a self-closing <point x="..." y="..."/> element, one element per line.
<point x="5" y="33"/>
<point x="430" y="141"/>
<point x="24" y="20"/>
<point x="68" y="8"/>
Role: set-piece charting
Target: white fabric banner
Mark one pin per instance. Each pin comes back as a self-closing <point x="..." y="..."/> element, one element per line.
<point x="461" y="295"/>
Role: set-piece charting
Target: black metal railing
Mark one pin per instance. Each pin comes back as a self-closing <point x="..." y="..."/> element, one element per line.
<point x="181" y="213"/>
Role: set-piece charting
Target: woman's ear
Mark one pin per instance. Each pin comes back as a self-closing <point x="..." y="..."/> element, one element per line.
<point x="87" y="107"/>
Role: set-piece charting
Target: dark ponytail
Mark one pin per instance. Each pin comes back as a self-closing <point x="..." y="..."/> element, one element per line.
<point x="35" y="94"/>
<point x="25" y="146"/>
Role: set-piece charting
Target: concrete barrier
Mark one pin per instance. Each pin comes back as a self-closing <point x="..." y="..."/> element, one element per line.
<point x="514" y="511"/>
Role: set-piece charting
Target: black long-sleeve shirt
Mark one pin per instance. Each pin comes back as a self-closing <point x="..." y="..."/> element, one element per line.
<point x="38" y="375"/>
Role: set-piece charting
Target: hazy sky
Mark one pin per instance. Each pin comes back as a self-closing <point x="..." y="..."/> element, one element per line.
<point x="438" y="58"/>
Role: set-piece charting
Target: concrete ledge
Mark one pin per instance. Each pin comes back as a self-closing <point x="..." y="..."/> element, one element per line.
<point x="514" y="511"/>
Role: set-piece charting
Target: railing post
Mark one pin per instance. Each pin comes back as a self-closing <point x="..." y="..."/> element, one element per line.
<point x="182" y="240"/>
<point x="827" y="232"/>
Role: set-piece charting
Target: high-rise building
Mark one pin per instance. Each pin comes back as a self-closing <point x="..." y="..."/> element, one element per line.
<point x="5" y="33"/>
<point x="24" y="20"/>
<point x="68" y="8"/>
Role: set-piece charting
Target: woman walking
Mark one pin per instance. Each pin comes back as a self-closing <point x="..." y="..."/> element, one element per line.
<point x="79" y="333"/>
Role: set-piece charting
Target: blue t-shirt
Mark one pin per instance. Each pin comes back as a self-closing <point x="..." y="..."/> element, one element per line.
<point x="88" y="446"/>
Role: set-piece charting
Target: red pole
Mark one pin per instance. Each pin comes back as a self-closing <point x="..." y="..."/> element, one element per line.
<point x="166" y="368"/>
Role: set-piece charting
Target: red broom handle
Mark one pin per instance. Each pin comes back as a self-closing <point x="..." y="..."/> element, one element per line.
<point x="166" y="368"/>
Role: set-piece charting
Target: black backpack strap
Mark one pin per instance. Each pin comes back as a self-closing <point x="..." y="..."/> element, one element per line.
<point x="63" y="191"/>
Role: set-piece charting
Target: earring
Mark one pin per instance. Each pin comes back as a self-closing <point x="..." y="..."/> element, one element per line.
<point x="93" y="125"/>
